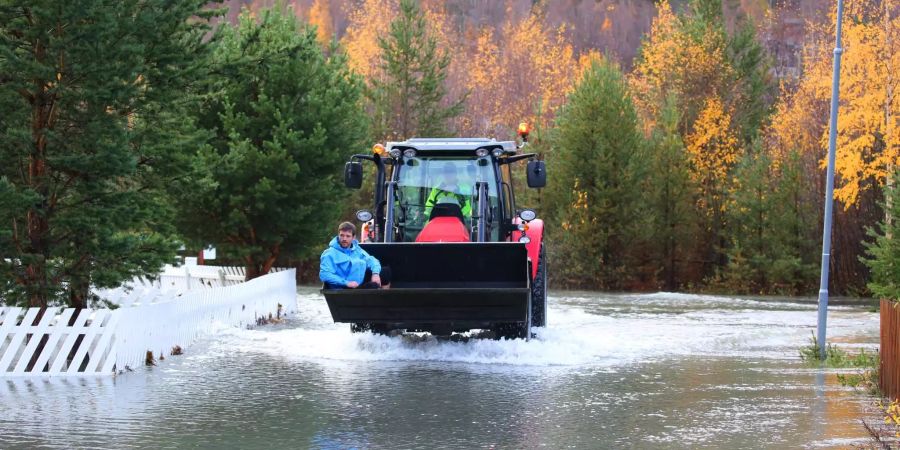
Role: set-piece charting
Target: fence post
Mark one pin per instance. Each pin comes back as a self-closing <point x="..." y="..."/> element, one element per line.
<point x="889" y="379"/>
<point x="187" y="277"/>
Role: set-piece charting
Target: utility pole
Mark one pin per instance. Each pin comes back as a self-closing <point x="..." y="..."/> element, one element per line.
<point x="829" y="184"/>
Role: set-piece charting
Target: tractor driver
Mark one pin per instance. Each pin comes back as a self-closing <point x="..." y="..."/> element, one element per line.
<point x="345" y="265"/>
<point x="449" y="187"/>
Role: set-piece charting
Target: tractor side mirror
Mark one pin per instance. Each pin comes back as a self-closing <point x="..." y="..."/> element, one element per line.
<point x="353" y="175"/>
<point x="537" y="174"/>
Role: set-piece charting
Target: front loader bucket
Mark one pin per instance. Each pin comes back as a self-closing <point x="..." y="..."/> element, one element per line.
<point x="441" y="288"/>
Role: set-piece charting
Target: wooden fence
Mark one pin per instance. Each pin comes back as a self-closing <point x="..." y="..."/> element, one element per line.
<point x="890" y="349"/>
<point x="66" y="341"/>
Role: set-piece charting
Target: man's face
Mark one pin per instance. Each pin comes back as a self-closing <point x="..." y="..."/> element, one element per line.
<point x="345" y="238"/>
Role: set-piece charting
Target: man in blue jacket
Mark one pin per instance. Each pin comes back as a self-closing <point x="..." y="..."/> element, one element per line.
<point x="345" y="265"/>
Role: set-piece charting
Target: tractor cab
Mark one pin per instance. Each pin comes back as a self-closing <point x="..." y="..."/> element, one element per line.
<point x="429" y="179"/>
<point x="462" y="255"/>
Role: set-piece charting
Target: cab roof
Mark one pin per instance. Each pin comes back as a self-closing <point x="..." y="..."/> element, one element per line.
<point x="452" y="145"/>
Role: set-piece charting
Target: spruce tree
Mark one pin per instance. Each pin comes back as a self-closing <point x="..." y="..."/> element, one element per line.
<point x="92" y="95"/>
<point x="796" y="230"/>
<point x="409" y="99"/>
<point x="772" y="247"/>
<point x="283" y="118"/>
<point x="595" y="192"/>
<point x="883" y="251"/>
<point x="750" y="220"/>
<point x="670" y="196"/>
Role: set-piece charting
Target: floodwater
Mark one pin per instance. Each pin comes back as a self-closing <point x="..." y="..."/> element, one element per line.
<point x="610" y="371"/>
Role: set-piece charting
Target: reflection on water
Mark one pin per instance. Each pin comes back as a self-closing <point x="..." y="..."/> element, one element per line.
<point x="668" y="370"/>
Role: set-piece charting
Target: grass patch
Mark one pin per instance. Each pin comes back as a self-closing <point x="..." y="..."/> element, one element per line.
<point x="836" y="357"/>
<point x="869" y="364"/>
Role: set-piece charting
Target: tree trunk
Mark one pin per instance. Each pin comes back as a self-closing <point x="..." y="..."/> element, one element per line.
<point x="78" y="293"/>
<point x="37" y="216"/>
<point x="43" y="343"/>
<point x="251" y="268"/>
<point x="256" y="268"/>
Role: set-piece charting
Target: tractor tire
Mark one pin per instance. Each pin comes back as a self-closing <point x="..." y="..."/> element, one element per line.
<point x="512" y="331"/>
<point x="362" y="327"/>
<point x="539" y="292"/>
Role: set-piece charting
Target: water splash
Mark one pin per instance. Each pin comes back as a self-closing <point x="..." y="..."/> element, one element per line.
<point x="584" y="330"/>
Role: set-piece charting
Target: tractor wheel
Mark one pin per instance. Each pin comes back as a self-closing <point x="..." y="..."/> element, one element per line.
<point x="512" y="331"/>
<point x="539" y="292"/>
<point x="362" y="327"/>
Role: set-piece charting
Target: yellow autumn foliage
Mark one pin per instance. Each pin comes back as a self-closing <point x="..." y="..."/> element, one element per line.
<point x="868" y="146"/>
<point x="320" y="16"/>
<point x="713" y="150"/>
<point x="521" y="72"/>
<point x="674" y="62"/>
<point x="371" y="19"/>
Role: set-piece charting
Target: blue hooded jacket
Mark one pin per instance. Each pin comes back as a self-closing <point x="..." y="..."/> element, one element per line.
<point x="339" y="265"/>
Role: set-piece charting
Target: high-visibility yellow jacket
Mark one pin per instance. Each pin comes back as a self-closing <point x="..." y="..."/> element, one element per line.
<point x="437" y="194"/>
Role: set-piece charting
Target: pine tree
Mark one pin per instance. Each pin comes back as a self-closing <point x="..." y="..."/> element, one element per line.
<point x="596" y="192"/>
<point x="283" y="120"/>
<point x="92" y="124"/>
<point x="409" y="100"/>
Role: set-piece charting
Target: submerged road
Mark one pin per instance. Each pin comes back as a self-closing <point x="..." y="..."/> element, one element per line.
<point x="660" y="370"/>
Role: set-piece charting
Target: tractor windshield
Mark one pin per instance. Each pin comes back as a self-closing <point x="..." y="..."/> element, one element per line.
<point x="426" y="182"/>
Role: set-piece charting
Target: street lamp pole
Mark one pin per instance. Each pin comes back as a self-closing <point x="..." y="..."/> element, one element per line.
<point x="829" y="184"/>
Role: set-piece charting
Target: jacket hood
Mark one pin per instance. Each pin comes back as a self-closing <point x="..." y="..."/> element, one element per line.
<point x="337" y="245"/>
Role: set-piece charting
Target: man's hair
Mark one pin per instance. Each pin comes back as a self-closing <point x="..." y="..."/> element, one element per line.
<point x="347" y="226"/>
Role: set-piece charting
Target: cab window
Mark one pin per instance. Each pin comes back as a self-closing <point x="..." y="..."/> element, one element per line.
<point x="423" y="182"/>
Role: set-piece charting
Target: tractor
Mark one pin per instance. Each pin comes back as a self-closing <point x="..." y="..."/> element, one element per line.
<point x="462" y="255"/>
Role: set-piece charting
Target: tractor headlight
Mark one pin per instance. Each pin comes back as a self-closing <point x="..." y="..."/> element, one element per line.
<point x="481" y="152"/>
<point x="497" y="152"/>
<point x="363" y="215"/>
<point x="527" y="215"/>
<point x="409" y="153"/>
<point x="525" y="239"/>
<point x="395" y="153"/>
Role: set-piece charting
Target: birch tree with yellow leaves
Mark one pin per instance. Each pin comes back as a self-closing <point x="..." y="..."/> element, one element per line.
<point x="520" y="72"/>
<point x="868" y="145"/>
<point x="867" y="141"/>
<point x="367" y="22"/>
<point x="320" y="16"/>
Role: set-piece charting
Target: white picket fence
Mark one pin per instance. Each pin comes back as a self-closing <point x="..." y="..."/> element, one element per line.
<point x="103" y="341"/>
<point x="189" y="277"/>
<point x="85" y="347"/>
<point x="174" y="281"/>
